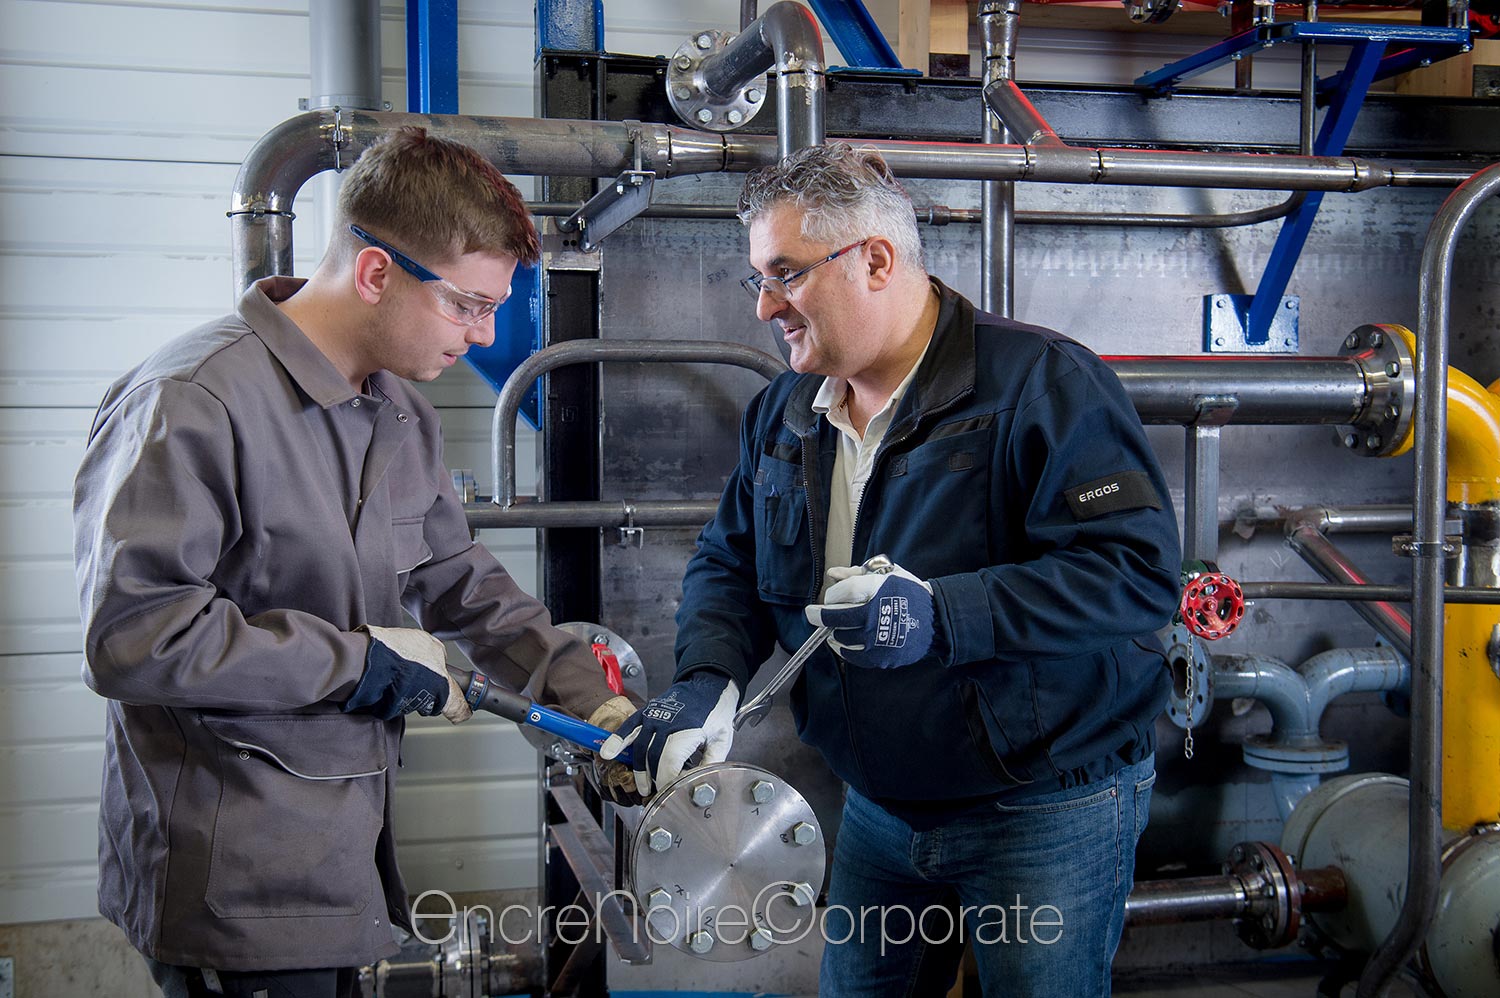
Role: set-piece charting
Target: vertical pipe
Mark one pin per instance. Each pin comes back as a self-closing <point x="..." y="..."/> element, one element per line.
<point x="344" y="67"/>
<point x="1309" y="83"/>
<point x="999" y="24"/>
<point x="1424" y="868"/>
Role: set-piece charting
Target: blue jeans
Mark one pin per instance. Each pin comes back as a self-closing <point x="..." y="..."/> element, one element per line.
<point x="1037" y="888"/>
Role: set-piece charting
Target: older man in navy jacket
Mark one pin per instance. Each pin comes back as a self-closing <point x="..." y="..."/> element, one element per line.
<point x="990" y="702"/>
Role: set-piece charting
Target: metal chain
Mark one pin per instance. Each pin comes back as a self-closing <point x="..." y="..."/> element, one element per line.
<point x="1188" y="689"/>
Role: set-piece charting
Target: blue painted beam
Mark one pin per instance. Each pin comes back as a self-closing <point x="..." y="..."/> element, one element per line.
<point x="569" y="26"/>
<point x="1354" y="83"/>
<point x="856" y="34"/>
<point x="432" y="56"/>
<point x="1431" y="43"/>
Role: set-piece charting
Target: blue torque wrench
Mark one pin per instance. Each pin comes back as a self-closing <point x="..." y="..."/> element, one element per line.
<point x="484" y="694"/>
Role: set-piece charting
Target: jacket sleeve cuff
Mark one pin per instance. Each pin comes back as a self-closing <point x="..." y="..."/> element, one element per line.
<point x="963" y="616"/>
<point x="713" y="657"/>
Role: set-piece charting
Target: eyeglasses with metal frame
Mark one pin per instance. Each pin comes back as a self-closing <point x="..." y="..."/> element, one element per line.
<point x="466" y="308"/>
<point x="780" y="288"/>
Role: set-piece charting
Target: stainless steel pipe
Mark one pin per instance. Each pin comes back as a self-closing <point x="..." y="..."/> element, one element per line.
<point x="1267" y="390"/>
<point x="1424" y="866"/>
<point x="332" y="139"/>
<point x="784" y="38"/>
<point x="1334" y="566"/>
<point x="508" y="405"/>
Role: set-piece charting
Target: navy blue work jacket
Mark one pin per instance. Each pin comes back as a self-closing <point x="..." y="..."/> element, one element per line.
<point x="1016" y="477"/>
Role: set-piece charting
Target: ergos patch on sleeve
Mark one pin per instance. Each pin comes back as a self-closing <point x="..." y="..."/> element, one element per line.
<point x="1112" y="494"/>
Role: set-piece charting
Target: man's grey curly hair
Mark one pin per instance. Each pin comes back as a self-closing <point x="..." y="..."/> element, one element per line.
<point x="843" y="193"/>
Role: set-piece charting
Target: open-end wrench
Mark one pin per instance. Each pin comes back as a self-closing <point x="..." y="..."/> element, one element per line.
<point x="759" y="705"/>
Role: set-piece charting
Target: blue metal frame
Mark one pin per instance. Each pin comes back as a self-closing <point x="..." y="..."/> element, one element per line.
<point x="1417" y="43"/>
<point x="432" y="56"/>
<point x="569" y="26"/>
<point x="1351" y="86"/>
<point x="856" y="34"/>
<point x="518" y="335"/>
<point x="1344" y="93"/>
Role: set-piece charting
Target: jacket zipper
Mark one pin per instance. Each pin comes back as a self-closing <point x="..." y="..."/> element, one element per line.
<point x="859" y="507"/>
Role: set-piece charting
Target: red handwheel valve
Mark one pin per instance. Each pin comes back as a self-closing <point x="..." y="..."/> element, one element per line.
<point x="1212" y="605"/>
<point x="611" y="666"/>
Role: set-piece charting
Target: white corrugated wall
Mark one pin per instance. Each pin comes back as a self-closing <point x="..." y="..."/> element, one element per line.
<point x="122" y="126"/>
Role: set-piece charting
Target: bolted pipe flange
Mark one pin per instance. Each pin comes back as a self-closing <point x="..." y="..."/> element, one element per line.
<point x="1191" y="698"/>
<point x="1383" y="424"/>
<point x="690" y="97"/>
<point x="733" y="867"/>
<point x="1273" y="897"/>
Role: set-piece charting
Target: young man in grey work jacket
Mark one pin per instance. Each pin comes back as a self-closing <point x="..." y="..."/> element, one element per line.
<point x="989" y="702"/>
<point x="262" y="503"/>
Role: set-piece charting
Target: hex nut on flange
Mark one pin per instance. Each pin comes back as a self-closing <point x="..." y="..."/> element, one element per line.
<point x="804" y="834"/>
<point x="658" y="898"/>
<point x="659" y="839"/>
<point x="700" y="942"/>
<point x="760" y="941"/>
<point x="704" y="794"/>
<point x="762" y="791"/>
<point x="802" y="895"/>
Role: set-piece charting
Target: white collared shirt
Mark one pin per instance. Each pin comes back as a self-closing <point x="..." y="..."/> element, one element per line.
<point x="853" y="462"/>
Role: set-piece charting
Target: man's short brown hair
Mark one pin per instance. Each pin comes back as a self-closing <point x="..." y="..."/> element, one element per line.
<point x="436" y="199"/>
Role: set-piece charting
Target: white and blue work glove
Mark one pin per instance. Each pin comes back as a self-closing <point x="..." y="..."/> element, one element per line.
<point x="697" y="712"/>
<point x="406" y="670"/>
<point x="879" y="621"/>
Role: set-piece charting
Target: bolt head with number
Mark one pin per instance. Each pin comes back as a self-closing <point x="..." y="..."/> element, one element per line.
<point x="704" y="794"/>
<point x="804" y="834"/>
<point x="760" y="941"/>
<point x="659" y="839"/>
<point x="700" y="942"/>
<point x="658" y="898"/>
<point x="762" y="791"/>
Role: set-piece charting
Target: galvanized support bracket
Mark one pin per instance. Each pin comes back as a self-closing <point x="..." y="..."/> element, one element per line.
<point x="1201" y="457"/>
<point x="617" y="202"/>
<point x="1226" y="325"/>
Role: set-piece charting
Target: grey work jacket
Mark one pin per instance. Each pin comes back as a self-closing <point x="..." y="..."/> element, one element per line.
<point x="239" y="512"/>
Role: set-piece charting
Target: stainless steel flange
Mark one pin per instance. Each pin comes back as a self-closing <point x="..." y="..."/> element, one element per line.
<point x="691" y="97"/>
<point x="727" y="862"/>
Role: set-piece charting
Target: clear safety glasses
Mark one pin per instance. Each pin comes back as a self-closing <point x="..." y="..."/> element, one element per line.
<point x="457" y="305"/>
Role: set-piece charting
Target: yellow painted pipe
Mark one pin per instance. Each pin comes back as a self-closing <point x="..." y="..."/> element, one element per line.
<point x="1471" y="690"/>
